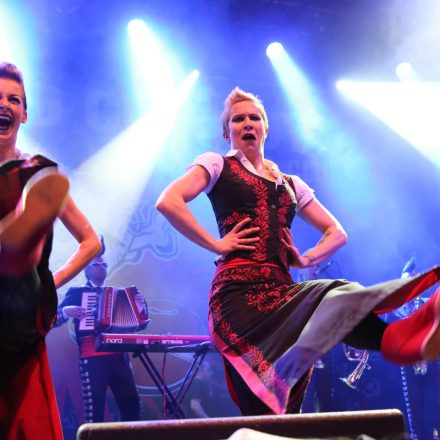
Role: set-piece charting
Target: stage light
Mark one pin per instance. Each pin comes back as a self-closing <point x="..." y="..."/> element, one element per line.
<point x="17" y="46"/>
<point x="194" y="74"/>
<point x="313" y="124"/>
<point x="154" y="68"/>
<point x="342" y="84"/>
<point x="135" y="26"/>
<point x="405" y="72"/>
<point x="15" y="33"/>
<point x="274" y="50"/>
<point x="308" y="112"/>
<point x="116" y="176"/>
<point x="6" y="51"/>
<point x="409" y="108"/>
<point x="15" y="30"/>
<point x="118" y="173"/>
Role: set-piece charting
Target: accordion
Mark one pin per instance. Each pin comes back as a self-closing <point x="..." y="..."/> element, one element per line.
<point x="120" y="310"/>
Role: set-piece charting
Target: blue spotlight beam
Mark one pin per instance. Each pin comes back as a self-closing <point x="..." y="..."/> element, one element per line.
<point x="18" y="46"/>
<point x="408" y="108"/>
<point x="9" y="50"/>
<point x="154" y="68"/>
<point x="318" y="131"/>
<point x="119" y="172"/>
<point x="302" y="98"/>
<point x="15" y="41"/>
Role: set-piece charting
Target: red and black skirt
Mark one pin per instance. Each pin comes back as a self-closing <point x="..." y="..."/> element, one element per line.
<point x="272" y="330"/>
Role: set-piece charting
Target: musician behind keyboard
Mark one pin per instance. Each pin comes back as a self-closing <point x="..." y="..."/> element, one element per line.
<point x="99" y="370"/>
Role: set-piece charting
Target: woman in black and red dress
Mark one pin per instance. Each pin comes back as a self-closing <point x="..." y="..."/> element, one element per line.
<point x="269" y="329"/>
<point x="32" y="195"/>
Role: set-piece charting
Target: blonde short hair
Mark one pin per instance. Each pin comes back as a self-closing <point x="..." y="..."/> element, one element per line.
<point x="239" y="95"/>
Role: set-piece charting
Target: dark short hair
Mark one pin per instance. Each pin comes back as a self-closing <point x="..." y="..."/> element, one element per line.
<point x="10" y="71"/>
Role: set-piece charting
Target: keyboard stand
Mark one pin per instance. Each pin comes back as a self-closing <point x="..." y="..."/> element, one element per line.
<point x="173" y="408"/>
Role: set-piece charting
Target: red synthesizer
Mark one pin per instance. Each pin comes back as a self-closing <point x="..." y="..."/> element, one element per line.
<point x="151" y="343"/>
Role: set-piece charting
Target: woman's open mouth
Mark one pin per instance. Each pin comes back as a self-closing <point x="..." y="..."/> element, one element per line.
<point x="5" y="122"/>
<point x="249" y="137"/>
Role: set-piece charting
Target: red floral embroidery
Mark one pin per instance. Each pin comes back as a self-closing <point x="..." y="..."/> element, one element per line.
<point x="270" y="297"/>
<point x="215" y="308"/>
<point x="277" y="279"/>
<point x="255" y="273"/>
<point x="285" y="204"/>
<point x="234" y="218"/>
<point x="262" y="219"/>
<point x="254" y="357"/>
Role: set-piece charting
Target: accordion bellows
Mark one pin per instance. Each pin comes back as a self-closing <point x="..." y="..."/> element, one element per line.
<point x="121" y="310"/>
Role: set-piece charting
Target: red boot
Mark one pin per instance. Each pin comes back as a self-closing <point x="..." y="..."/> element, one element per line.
<point x="22" y="232"/>
<point x="414" y="338"/>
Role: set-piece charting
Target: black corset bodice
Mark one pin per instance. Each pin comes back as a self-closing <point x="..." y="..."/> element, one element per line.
<point x="239" y="194"/>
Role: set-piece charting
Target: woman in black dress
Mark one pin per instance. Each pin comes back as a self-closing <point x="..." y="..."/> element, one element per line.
<point x="269" y="329"/>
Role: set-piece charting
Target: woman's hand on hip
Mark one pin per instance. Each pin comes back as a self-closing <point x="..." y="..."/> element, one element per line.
<point x="294" y="255"/>
<point x="238" y="238"/>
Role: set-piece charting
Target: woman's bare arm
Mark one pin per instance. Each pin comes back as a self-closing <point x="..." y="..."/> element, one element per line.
<point x="333" y="236"/>
<point x="89" y="244"/>
<point x="172" y="203"/>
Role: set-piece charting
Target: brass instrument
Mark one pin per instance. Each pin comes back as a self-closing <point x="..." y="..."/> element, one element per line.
<point x="361" y="357"/>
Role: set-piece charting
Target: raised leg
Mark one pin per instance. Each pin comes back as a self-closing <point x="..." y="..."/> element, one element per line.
<point x="414" y="338"/>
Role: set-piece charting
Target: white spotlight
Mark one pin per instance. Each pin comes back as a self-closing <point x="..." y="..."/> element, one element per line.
<point x="14" y="37"/>
<point x="103" y="176"/>
<point x="154" y="69"/>
<point x="135" y="26"/>
<point x="274" y="50"/>
<point x="409" y="108"/>
<point x="342" y="85"/>
<point x="404" y="71"/>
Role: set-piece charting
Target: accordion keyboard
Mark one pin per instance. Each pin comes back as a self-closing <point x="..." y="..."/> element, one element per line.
<point x="88" y="302"/>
